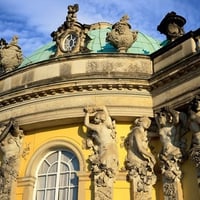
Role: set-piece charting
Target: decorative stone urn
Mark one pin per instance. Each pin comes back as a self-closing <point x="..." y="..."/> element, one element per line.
<point x="121" y="35"/>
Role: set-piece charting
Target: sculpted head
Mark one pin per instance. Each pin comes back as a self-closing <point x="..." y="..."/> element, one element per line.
<point x="195" y="104"/>
<point x="99" y="117"/>
<point x="143" y="121"/>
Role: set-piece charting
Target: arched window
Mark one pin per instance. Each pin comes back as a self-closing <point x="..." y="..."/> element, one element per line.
<point x="56" y="177"/>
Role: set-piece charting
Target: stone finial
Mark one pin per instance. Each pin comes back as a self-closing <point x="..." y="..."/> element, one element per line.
<point x="10" y="54"/>
<point x="121" y="35"/>
<point x="172" y="26"/>
<point x="71" y="17"/>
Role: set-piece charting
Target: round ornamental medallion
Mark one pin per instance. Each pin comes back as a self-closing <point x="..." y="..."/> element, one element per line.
<point x="70" y="42"/>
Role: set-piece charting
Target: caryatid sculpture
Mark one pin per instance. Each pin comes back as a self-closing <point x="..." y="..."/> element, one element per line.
<point x="194" y="125"/>
<point x="172" y="127"/>
<point x="11" y="137"/>
<point x="140" y="161"/>
<point x="102" y="140"/>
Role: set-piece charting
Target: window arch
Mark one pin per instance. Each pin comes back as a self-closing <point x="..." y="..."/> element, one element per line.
<point x="56" y="176"/>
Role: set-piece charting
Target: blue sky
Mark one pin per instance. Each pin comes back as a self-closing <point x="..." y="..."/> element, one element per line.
<point x="34" y="20"/>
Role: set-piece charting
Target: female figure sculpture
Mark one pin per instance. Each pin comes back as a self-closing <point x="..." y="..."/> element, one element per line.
<point x="104" y="160"/>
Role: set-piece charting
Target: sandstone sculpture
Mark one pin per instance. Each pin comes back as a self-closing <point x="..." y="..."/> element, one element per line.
<point x="104" y="160"/>
<point x="10" y="54"/>
<point x="140" y="161"/>
<point x="10" y="145"/>
<point x="121" y="35"/>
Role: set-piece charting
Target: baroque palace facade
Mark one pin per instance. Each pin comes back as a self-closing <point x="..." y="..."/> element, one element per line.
<point x="103" y="112"/>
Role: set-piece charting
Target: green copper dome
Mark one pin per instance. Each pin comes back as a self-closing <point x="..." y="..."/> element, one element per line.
<point x="144" y="45"/>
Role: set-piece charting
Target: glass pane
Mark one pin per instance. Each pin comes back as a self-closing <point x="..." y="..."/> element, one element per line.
<point x="44" y="167"/>
<point x="64" y="167"/>
<point x="74" y="164"/>
<point x="50" y="195"/>
<point x="63" y="194"/>
<point x="53" y="168"/>
<point x="40" y="195"/>
<point x="41" y="182"/>
<point x="74" y="179"/>
<point x="66" y="156"/>
<point x="51" y="181"/>
<point x="64" y="179"/>
<point x="73" y="194"/>
<point x="52" y="157"/>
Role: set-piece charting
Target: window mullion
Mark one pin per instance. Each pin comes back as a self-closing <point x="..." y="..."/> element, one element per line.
<point x="58" y="176"/>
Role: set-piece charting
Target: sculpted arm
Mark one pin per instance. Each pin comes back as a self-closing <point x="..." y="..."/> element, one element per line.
<point x="87" y="121"/>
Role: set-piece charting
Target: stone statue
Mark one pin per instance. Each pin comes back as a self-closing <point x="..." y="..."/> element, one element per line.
<point x="71" y="17"/>
<point x="121" y="35"/>
<point x="102" y="140"/>
<point x="194" y="125"/>
<point x="10" y="54"/>
<point x="10" y="145"/>
<point x="172" y="127"/>
<point x="140" y="161"/>
<point x="172" y="26"/>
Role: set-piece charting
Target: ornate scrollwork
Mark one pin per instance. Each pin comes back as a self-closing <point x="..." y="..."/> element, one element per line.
<point x="71" y="36"/>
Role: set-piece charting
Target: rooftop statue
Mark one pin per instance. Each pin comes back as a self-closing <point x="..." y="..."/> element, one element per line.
<point x="172" y="26"/>
<point x="10" y="54"/>
<point x="71" y="17"/>
<point x="121" y="36"/>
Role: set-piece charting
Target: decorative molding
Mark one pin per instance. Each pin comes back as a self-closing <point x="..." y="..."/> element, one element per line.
<point x="72" y="89"/>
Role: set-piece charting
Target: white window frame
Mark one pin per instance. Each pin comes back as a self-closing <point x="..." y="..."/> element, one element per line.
<point x="57" y="173"/>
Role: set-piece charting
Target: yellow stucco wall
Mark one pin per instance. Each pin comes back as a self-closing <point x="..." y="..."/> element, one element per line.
<point x="75" y="136"/>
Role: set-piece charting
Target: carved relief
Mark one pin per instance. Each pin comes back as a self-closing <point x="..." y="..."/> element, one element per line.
<point x="136" y="66"/>
<point x="10" y="54"/>
<point x="10" y="145"/>
<point x="104" y="160"/>
<point x="172" y="127"/>
<point x="172" y="26"/>
<point x="71" y="36"/>
<point x="121" y="35"/>
<point x="140" y="161"/>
